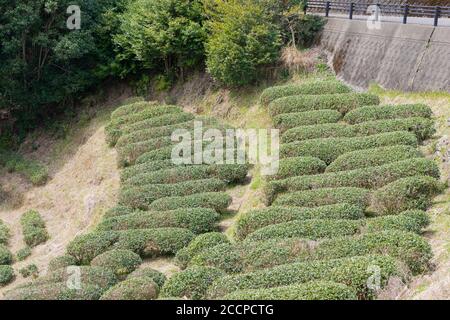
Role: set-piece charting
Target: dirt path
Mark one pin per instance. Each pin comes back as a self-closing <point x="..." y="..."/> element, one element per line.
<point x="70" y="203"/>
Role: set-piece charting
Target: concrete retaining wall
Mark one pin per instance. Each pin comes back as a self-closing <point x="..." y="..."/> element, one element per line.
<point x="404" y="57"/>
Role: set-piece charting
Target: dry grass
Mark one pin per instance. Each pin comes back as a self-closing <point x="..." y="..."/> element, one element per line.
<point x="296" y="60"/>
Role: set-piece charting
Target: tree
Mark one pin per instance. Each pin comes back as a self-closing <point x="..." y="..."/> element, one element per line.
<point x="243" y="40"/>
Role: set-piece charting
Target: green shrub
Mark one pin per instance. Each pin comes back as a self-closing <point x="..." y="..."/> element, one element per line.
<point x="6" y="256"/>
<point x="200" y="243"/>
<point x="372" y="157"/>
<point x="260" y="218"/>
<point x="343" y="102"/>
<point x="322" y="197"/>
<point x="231" y="173"/>
<point x="410" y="220"/>
<point x="121" y="262"/>
<point x="308" y="88"/>
<point x="198" y="220"/>
<point x="119" y="210"/>
<point x="6" y="275"/>
<point x="287" y="121"/>
<point x="329" y="149"/>
<point x="133" y="289"/>
<point x="312" y="229"/>
<point x="218" y="201"/>
<point x="145" y="242"/>
<point x="130" y="108"/>
<point x="298" y="166"/>
<point x="191" y="283"/>
<point x="161" y="121"/>
<point x="423" y="129"/>
<point x="147" y="167"/>
<point x="158" y="277"/>
<point x="369" y="178"/>
<point x="29" y="270"/>
<point x="315" y="290"/>
<point x="353" y="271"/>
<point x="128" y="154"/>
<point x="23" y="253"/>
<point x="141" y="197"/>
<point x="60" y="262"/>
<point x="404" y="194"/>
<point x="34" y="171"/>
<point x="371" y="113"/>
<point x="247" y="256"/>
<point x="4" y="233"/>
<point x="33" y="228"/>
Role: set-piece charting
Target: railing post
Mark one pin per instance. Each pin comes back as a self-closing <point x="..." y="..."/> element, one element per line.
<point x="305" y="7"/>
<point x="327" y="9"/>
<point x="405" y="14"/>
<point x="436" y="16"/>
<point x="352" y="6"/>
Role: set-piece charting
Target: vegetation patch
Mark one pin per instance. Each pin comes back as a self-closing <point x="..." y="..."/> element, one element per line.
<point x="33" y="228"/>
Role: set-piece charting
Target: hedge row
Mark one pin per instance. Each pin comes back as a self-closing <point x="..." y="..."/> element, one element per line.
<point x="130" y="108"/>
<point x="60" y="262"/>
<point x="121" y="262"/>
<point x="4" y="233"/>
<point x="423" y="128"/>
<point x="146" y="167"/>
<point x="145" y="242"/>
<point x="368" y="178"/>
<point x="33" y="228"/>
<point x="298" y="166"/>
<point x="128" y="154"/>
<point x="260" y="218"/>
<point x="329" y="149"/>
<point x="314" y="290"/>
<point x="287" y="121"/>
<point x="199" y="244"/>
<point x="321" y="197"/>
<point x="412" y="221"/>
<point x="353" y="271"/>
<point x="142" y="288"/>
<point x="310" y="88"/>
<point x="343" y="102"/>
<point x="370" y="113"/>
<point x="141" y="197"/>
<point x="372" y="157"/>
<point x="119" y="210"/>
<point x="247" y="256"/>
<point x="219" y="201"/>
<point x="148" y="272"/>
<point x="404" y="194"/>
<point x="6" y="274"/>
<point x="191" y="283"/>
<point x="198" y="220"/>
<point x="230" y="173"/>
<point x="6" y="256"/>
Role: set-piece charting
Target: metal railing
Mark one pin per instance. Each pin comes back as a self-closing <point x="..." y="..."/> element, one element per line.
<point x="361" y="8"/>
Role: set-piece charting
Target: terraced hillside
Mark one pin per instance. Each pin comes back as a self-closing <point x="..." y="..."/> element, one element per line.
<point x="344" y="215"/>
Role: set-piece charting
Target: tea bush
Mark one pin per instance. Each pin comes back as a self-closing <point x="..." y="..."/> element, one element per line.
<point x="33" y="228"/>
<point x="218" y="201"/>
<point x="121" y="262"/>
<point x="371" y="113"/>
<point x="287" y="121"/>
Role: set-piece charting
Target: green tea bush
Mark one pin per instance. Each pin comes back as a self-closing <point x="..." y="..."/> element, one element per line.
<point x="315" y="290"/>
<point x="343" y="102"/>
<point x="200" y="243"/>
<point x="191" y="283"/>
<point x="322" y="197"/>
<point x="141" y="197"/>
<point x="161" y="121"/>
<point x="33" y="228"/>
<point x="121" y="262"/>
<point x="410" y="220"/>
<point x="128" y="154"/>
<point x="60" y="262"/>
<point x="298" y="166"/>
<point x="218" y="201"/>
<point x="423" y="128"/>
<point x="308" y="88"/>
<point x="146" y="167"/>
<point x="143" y="288"/>
<point x="4" y="233"/>
<point x="23" y="253"/>
<point x="329" y="149"/>
<point x="372" y="157"/>
<point x="371" y="113"/>
<point x="198" y="220"/>
<point x="29" y="270"/>
<point x="6" y="256"/>
<point x="369" y="178"/>
<point x="119" y="210"/>
<point x="145" y="242"/>
<point x="261" y="218"/>
<point x="158" y="277"/>
<point x="404" y="194"/>
<point x="231" y="173"/>
<point x="287" y="121"/>
<point x="353" y="271"/>
<point x="130" y="108"/>
<point x="6" y="274"/>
